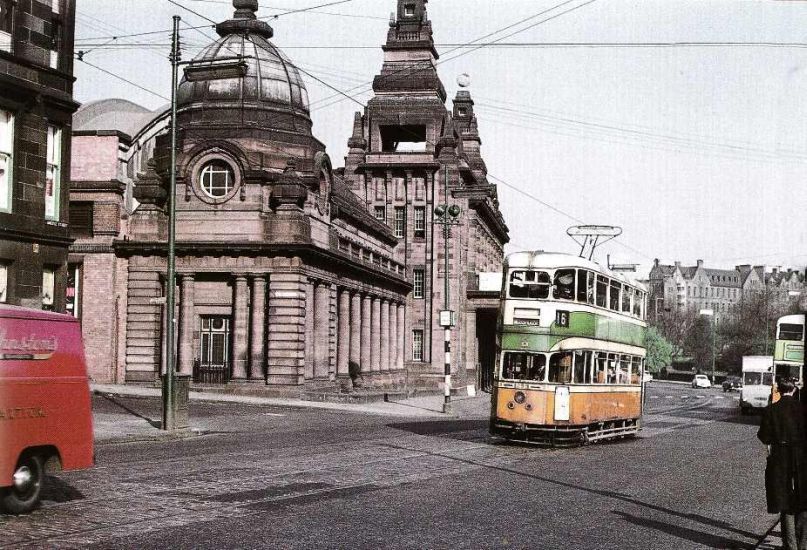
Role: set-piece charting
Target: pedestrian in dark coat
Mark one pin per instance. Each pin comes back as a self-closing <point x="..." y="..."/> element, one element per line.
<point x="783" y="431"/>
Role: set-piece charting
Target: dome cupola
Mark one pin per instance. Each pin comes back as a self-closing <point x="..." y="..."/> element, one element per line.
<point x="243" y="68"/>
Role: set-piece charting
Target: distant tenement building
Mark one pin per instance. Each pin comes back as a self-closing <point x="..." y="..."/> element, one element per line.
<point x="699" y="287"/>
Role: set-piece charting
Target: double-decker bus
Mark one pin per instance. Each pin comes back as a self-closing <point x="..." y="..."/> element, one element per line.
<point x="788" y="351"/>
<point x="570" y="351"/>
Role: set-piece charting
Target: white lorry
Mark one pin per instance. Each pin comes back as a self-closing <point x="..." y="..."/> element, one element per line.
<point x="757" y="382"/>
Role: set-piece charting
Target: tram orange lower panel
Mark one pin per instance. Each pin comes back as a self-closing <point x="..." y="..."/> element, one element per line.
<point x="584" y="408"/>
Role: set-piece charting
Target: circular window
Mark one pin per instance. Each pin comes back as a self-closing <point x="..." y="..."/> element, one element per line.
<point x="216" y="178"/>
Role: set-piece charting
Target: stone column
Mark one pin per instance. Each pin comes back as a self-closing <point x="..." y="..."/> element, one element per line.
<point x="366" y="334"/>
<point x="375" y="337"/>
<point x="343" y="338"/>
<point x="322" y="330"/>
<point x="241" y="321"/>
<point x="310" y="313"/>
<point x="384" y="361"/>
<point x="355" y="335"/>
<point x="399" y="362"/>
<point x="393" y="336"/>
<point x="186" y="323"/>
<point x="256" y="356"/>
<point x="470" y="352"/>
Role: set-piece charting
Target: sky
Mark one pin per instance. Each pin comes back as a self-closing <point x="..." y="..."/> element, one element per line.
<point x="587" y="113"/>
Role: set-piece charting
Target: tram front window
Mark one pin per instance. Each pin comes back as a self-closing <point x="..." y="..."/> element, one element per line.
<point x="564" y="284"/>
<point x="560" y="367"/>
<point x="524" y="366"/>
<point x="530" y="284"/>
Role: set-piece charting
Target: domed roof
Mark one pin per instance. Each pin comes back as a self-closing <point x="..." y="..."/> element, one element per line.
<point x="113" y="115"/>
<point x="269" y="76"/>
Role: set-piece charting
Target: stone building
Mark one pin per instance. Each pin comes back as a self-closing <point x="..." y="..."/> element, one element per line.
<point x="698" y="287"/>
<point x="289" y="275"/>
<point x="407" y="155"/>
<point x="36" y="106"/>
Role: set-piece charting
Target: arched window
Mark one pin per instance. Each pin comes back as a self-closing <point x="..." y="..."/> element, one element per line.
<point x="216" y="178"/>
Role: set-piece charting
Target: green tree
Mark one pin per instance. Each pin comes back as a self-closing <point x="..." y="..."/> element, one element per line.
<point x="699" y="343"/>
<point x="659" y="350"/>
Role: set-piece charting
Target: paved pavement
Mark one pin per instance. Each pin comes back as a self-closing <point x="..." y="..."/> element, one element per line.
<point x="129" y="425"/>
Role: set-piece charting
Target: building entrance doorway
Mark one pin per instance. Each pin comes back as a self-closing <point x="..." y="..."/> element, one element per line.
<point x="486" y="346"/>
<point x="213" y="364"/>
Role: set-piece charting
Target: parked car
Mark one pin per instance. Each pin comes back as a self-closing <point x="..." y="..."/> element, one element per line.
<point x="647" y="377"/>
<point x="732" y="383"/>
<point x="701" y="381"/>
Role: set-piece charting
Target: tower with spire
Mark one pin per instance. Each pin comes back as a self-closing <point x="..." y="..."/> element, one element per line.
<point x="405" y="150"/>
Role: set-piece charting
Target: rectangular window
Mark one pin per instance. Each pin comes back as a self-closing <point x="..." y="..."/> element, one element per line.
<point x="81" y="219"/>
<point x="418" y="281"/>
<point x="602" y="291"/>
<point x="53" y="176"/>
<point x="409" y="10"/>
<point x="3" y="283"/>
<point x="420" y="222"/>
<point x="48" y="288"/>
<point x="6" y="158"/>
<point x="6" y="24"/>
<point x="627" y="296"/>
<point x="613" y="302"/>
<point x="73" y="302"/>
<point x="524" y="366"/>
<point x="529" y="284"/>
<point x="381" y="213"/>
<point x="55" y="41"/>
<point x="417" y="345"/>
<point x="400" y="222"/>
<point x="581" y="286"/>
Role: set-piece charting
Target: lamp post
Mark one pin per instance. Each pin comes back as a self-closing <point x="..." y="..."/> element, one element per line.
<point x="711" y="313"/>
<point x="224" y="67"/>
<point x="447" y="215"/>
<point x="169" y="403"/>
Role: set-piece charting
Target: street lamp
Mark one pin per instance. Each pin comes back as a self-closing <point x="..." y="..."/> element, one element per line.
<point x="225" y="67"/>
<point x="447" y="215"/>
<point x="711" y="313"/>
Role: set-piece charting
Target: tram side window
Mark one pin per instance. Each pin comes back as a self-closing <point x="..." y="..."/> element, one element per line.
<point x="637" y="300"/>
<point x="614" y="297"/>
<point x="600" y="365"/>
<point x="636" y="370"/>
<point x="627" y="296"/>
<point x="560" y="367"/>
<point x="524" y="366"/>
<point x="602" y="291"/>
<point x="581" y="367"/>
<point x="564" y="284"/>
<point x="613" y="360"/>
<point x="623" y="370"/>
<point x="529" y="284"/>
<point x="582" y="293"/>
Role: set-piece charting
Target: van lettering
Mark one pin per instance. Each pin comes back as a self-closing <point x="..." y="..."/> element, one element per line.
<point x="22" y="412"/>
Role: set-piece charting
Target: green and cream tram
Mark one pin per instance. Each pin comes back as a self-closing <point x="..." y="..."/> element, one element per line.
<point x="570" y="351"/>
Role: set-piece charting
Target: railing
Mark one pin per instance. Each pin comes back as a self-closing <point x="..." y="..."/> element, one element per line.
<point x="210" y="374"/>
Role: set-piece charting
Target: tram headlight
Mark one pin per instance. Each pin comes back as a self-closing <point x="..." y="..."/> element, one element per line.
<point x="519" y="397"/>
<point x="511" y="405"/>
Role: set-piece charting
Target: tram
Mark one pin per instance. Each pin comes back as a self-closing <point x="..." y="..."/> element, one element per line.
<point x="788" y="351"/>
<point x="571" y="353"/>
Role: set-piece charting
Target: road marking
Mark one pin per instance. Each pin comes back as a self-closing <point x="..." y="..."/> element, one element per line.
<point x="654" y="397"/>
<point x="719" y="397"/>
<point x="669" y="397"/>
<point x="273" y="414"/>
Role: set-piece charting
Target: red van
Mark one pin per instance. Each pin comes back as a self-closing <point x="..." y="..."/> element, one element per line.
<point x="45" y="407"/>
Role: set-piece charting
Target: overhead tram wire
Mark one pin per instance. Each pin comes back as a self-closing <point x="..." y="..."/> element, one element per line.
<point x="124" y="79"/>
<point x="407" y="71"/>
<point x="629" y="133"/>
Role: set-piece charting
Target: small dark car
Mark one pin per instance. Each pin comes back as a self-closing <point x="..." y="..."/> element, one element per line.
<point x="732" y="383"/>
